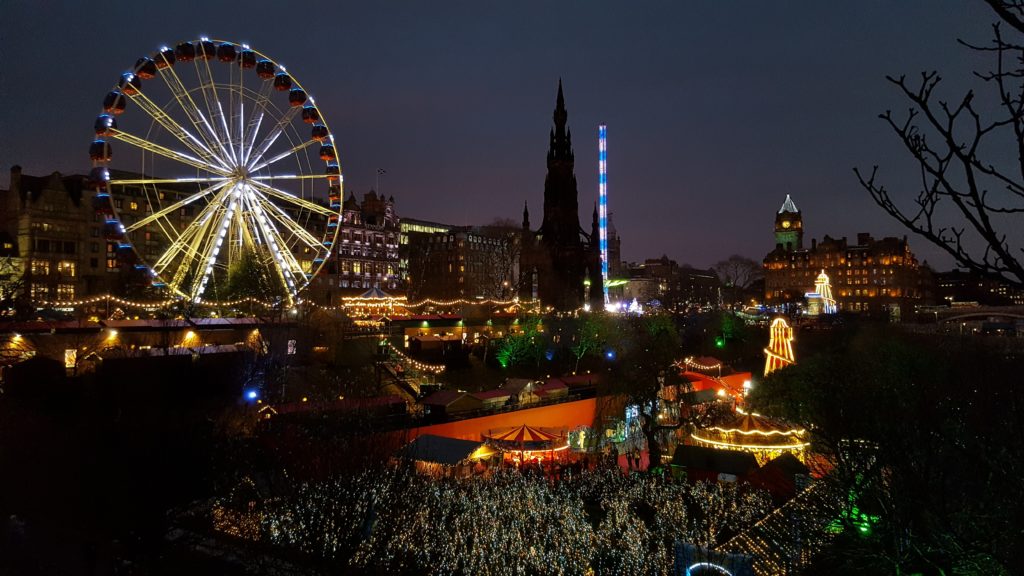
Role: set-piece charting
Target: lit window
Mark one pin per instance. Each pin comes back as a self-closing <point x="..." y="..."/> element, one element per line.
<point x="66" y="268"/>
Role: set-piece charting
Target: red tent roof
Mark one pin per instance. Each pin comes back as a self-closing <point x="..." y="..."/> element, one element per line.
<point x="443" y="397"/>
<point x="498" y="393"/>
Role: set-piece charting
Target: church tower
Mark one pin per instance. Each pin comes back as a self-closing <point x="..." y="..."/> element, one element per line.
<point x="789" y="226"/>
<point x="561" y="255"/>
<point x="561" y="225"/>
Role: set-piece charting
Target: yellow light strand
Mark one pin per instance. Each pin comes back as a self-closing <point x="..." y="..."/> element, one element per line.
<point x="760" y="432"/>
<point x="690" y="363"/>
<point x="751" y="446"/>
<point x="435" y="368"/>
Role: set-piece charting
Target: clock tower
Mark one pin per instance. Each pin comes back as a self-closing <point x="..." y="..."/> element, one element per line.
<point x="789" y="226"/>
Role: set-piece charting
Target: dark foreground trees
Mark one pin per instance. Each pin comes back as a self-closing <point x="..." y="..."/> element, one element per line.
<point x="927" y="437"/>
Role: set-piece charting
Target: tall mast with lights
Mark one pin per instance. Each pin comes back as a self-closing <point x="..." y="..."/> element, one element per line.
<point x="602" y="203"/>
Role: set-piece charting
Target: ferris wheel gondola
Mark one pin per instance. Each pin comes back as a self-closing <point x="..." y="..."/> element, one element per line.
<point x="236" y="173"/>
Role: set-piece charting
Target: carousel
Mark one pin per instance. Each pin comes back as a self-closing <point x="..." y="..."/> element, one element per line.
<point x="374" y="304"/>
<point x="526" y="443"/>
<point x="763" y="437"/>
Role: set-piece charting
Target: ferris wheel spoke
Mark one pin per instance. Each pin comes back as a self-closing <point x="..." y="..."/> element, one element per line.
<point x="253" y="129"/>
<point x="214" y="243"/>
<point x="140" y="181"/>
<point x="263" y="228"/>
<point x="284" y="258"/>
<point x="274" y="134"/>
<point x="292" y="199"/>
<point x="181" y="133"/>
<point x="298" y="231"/>
<point x="167" y="152"/>
<point x="273" y="177"/>
<point x="241" y="113"/>
<point x="208" y="88"/>
<point x="191" y="109"/>
<point x="183" y="244"/>
<point x="256" y="119"/>
<point x="171" y="208"/>
<point x="283" y="155"/>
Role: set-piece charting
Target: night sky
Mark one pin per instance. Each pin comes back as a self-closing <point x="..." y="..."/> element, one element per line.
<point x="715" y="110"/>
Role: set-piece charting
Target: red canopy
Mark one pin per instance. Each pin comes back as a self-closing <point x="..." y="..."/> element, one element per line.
<point x="525" y="438"/>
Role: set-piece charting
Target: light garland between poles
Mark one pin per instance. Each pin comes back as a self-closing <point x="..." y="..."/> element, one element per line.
<point x="347" y="302"/>
<point x="689" y="362"/>
<point x="433" y="368"/>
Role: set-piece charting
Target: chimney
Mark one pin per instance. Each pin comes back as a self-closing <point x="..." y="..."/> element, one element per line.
<point x="15" y="187"/>
<point x="814" y="244"/>
<point x="15" y="184"/>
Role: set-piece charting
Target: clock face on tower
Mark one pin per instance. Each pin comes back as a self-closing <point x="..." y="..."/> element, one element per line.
<point x="788" y="232"/>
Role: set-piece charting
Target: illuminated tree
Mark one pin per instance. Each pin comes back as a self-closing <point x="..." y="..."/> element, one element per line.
<point x="971" y="195"/>
<point x="524" y="346"/>
<point x="589" y="336"/>
<point x="249" y="277"/>
<point x="13" y="300"/>
<point x="647" y="346"/>
<point x="718" y="508"/>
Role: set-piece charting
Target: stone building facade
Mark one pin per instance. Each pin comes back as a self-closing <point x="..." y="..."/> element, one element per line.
<point x="367" y="245"/>
<point x="874" y="276"/>
<point x="464" y="262"/>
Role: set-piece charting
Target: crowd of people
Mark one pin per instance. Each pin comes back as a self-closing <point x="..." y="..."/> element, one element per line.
<point x="601" y="521"/>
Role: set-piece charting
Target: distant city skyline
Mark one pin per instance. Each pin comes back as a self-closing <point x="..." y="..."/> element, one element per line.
<point x="714" y="112"/>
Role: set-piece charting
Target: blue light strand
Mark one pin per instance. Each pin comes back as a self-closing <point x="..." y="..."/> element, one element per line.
<point x="602" y="165"/>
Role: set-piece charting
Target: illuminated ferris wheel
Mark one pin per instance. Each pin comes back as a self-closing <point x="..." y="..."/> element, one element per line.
<point x="225" y="174"/>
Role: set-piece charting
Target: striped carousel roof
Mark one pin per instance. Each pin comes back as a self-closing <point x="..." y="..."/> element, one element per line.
<point x="525" y="438"/>
<point x="375" y="292"/>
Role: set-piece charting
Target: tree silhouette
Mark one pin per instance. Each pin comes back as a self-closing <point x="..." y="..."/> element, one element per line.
<point x="738" y="271"/>
<point x="921" y="432"/>
<point x="250" y="277"/>
<point x="970" y="196"/>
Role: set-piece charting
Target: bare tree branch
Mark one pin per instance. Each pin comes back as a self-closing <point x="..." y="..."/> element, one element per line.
<point x="947" y="139"/>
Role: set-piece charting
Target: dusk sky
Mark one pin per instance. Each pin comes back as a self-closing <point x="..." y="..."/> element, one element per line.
<point x="715" y="110"/>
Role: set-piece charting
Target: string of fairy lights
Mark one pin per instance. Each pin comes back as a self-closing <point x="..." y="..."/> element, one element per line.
<point x="691" y="363"/>
<point x="347" y="303"/>
<point x="422" y="366"/>
<point x="788" y="537"/>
